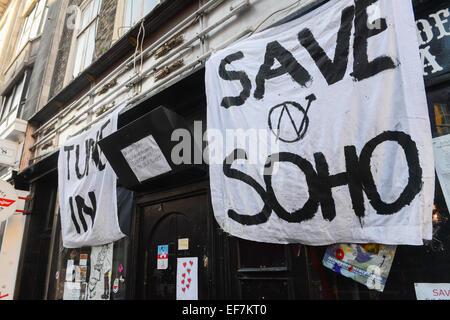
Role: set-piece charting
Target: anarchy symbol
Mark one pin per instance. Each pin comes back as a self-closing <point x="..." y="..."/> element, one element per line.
<point x="291" y="120"/>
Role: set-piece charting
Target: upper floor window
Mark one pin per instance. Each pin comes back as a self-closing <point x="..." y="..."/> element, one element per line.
<point x="135" y="10"/>
<point x="85" y="41"/>
<point x="14" y="98"/>
<point x="34" y="22"/>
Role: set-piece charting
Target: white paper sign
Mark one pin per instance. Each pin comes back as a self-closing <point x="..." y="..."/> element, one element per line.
<point x="432" y="291"/>
<point x="146" y="159"/>
<point x="100" y="273"/>
<point x="70" y="270"/>
<point x="187" y="278"/>
<point x="87" y="189"/>
<point x="72" y="291"/>
<point x="333" y="135"/>
<point x="441" y="147"/>
<point x="8" y="152"/>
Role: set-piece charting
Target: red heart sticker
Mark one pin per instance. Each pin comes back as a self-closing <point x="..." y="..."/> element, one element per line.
<point x="184" y="264"/>
<point x="184" y="289"/>
<point x="182" y="281"/>
<point x="189" y="270"/>
<point x="187" y="286"/>
<point x="183" y="275"/>
<point x="189" y="280"/>
<point x="191" y="263"/>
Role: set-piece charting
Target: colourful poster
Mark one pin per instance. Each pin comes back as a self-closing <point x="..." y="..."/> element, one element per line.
<point x="163" y="257"/>
<point x="368" y="264"/>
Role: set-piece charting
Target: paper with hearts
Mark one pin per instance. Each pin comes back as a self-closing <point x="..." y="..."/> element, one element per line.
<point x="187" y="278"/>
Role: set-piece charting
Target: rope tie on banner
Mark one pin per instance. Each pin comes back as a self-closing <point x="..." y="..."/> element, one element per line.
<point x="139" y="48"/>
<point x="291" y="6"/>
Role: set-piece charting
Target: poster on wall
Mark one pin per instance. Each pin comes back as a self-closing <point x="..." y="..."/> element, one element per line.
<point x="87" y="189"/>
<point x="434" y="39"/>
<point x="163" y="257"/>
<point x="441" y="147"/>
<point x="98" y="287"/>
<point x="146" y="159"/>
<point x="318" y="129"/>
<point x="72" y="290"/>
<point x="187" y="278"/>
<point x="368" y="264"/>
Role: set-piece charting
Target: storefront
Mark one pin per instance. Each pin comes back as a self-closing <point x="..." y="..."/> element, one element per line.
<point x="170" y="218"/>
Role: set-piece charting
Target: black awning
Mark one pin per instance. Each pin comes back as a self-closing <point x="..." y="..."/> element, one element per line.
<point x="44" y="166"/>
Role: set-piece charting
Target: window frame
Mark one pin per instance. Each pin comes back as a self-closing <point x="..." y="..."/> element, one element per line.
<point x="33" y="24"/>
<point x="123" y="26"/>
<point x="14" y="98"/>
<point x="84" y="31"/>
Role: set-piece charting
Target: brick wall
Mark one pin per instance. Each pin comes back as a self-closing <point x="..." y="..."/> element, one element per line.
<point x="105" y="27"/>
<point x="103" y="41"/>
<point x="63" y="54"/>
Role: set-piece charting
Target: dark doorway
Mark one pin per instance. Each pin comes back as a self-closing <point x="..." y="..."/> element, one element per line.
<point x="36" y="244"/>
<point x="163" y="223"/>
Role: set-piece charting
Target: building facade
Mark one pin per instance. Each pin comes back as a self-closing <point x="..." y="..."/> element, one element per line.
<point x="21" y="23"/>
<point x="74" y="62"/>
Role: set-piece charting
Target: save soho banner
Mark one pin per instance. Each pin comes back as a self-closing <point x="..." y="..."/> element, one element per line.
<point x="347" y="157"/>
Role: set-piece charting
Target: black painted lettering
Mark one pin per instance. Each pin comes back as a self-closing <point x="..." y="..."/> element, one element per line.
<point x="288" y="64"/>
<point x="362" y="68"/>
<point x="235" y="75"/>
<point x="73" y="217"/>
<point x="354" y="181"/>
<point x="264" y="214"/>
<point x="358" y="176"/>
<point x="96" y="152"/>
<point x="87" y="210"/>
<point x="333" y="71"/>
<point x="82" y="209"/>
<point x="415" y="172"/>
<point x="325" y="184"/>
<point x="310" y="207"/>
<point x="86" y="160"/>
<point x="68" y="149"/>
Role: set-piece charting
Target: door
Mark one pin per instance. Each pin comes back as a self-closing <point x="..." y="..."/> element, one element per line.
<point x="165" y="223"/>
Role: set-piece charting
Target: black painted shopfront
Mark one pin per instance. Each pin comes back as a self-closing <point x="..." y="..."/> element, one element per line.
<point x="178" y="207"/>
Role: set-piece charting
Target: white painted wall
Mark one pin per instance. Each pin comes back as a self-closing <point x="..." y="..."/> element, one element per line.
<point x="259" y="14"/>
<point x="10" y="250"/>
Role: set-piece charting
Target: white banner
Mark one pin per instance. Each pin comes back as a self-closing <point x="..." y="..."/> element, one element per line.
<point x="333" y="141"/>
<point x="87" y="189"/>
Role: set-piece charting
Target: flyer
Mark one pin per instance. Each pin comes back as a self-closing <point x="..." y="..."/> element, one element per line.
<point x="441" y="148"/>
<point x="368" y="264"/>
<point x="163" y="257"/>
<point x="187" y="278"/>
